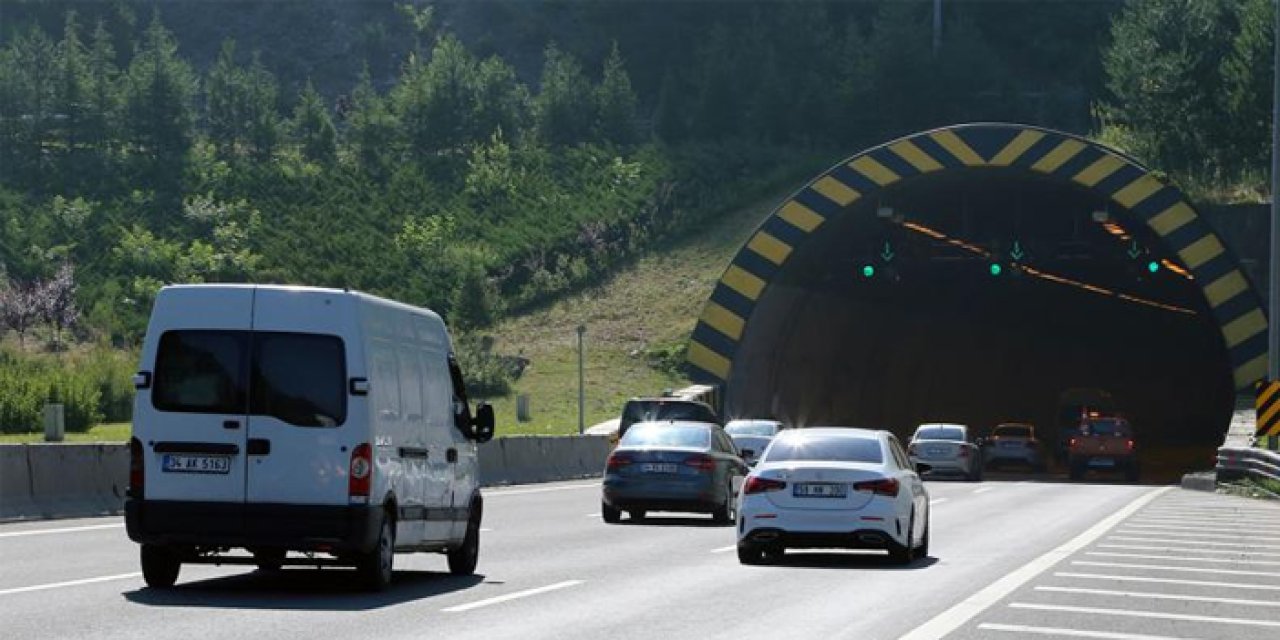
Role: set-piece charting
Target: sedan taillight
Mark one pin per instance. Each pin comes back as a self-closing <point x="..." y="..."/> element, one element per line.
<point x="617" y="461"/>
<point x="701" y="462"/>
<point x="881" y="487"/>
<point x="756" y="484"/>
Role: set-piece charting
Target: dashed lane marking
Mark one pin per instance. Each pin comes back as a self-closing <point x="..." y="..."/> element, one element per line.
<point x="1160" y="596"/>
<point x="1146" y="547"/>
<point x="1186" y="583"/>
<point x="1023" y="630"/>
<point x="1156" y="567"/>
<point x="512" y="596"/>
<point x="69" y="583"/>
<point x="1145" y="556"/>
<point x="41" y="532"/>
<point x="1157" y="615"/>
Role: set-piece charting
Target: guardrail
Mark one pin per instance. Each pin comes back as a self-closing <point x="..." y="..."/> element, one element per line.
<point x="1235" y="463"/>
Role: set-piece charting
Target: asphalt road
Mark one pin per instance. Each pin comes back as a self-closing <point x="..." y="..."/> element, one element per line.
<point x="1007" y="561"/>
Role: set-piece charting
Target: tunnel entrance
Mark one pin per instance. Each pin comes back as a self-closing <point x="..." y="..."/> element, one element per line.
<point x="954" y="280"/>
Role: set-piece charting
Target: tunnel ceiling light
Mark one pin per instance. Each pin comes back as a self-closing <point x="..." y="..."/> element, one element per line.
<point x="884" y="212"/>
<point x="1101" y="216"/>
<point x="1176" y="268"/>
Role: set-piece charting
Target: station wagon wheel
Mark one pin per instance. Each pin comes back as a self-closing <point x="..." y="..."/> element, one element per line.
<point x="462" y="561"/>
<point x="160" y="566"/>
<point x="610" y="515"/>
<point x="375" y="566"/>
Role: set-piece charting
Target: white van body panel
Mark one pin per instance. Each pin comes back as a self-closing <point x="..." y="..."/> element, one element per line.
<point x="422" y="461"/>
<point x="226" y="308"/>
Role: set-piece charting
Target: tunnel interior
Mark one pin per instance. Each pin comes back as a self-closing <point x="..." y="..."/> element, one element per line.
<point x="893" y="315"/>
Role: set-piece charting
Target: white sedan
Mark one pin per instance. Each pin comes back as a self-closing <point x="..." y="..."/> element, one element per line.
<point x="833" y="487"/>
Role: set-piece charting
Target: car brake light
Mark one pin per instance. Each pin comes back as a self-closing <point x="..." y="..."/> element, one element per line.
<point x="1130" y="444"/>
<point x="756" y="484"/>
<point x="881" y="487"/>
<point x="617" y="461"/>
<point x="701" y="462"/>
<point x="361" y="478"/>
<point x="1071" y="443"/>
<point x="137" y="469"/>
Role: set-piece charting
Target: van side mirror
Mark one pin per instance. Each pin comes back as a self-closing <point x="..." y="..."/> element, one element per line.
<point x="482" y="425"/>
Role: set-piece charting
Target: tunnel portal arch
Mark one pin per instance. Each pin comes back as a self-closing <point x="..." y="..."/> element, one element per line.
<point x="1141" y="196"/>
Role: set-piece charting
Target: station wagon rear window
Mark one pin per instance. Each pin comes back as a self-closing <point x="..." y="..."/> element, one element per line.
<point x="297" y="378"/>
<point x="664" y="435"/>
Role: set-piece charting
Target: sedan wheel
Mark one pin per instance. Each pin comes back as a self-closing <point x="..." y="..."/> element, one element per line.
<point x="750" y="553"/>
<point x="904" y="553"/>
<point x="610" y="515"/>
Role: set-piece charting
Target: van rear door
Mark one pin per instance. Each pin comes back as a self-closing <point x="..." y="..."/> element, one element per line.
<point x="298" y="446"/>
<point x="192" y="419"/>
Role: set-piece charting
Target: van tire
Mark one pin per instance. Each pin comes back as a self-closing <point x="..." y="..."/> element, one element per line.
<point x="375" y="567"/>
<point x="463" y="560"/>
<point x="160" y="566"/>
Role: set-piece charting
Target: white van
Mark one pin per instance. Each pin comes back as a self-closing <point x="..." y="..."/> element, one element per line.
<point x="280" y="419"/>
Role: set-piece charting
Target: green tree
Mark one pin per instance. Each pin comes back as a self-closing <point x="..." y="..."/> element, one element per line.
<point x="159" y="111"/>
<point x="670" y="122"/>
<point x="242" y="107"/>
<point x="104" y="96"/>
<point x="73" y="93"/>
<point x="434" y="101"/>
<point x="312" y="127"/>
<point x="501" y="103"/>
<point x="617" y="100"/>
<point x="565" y="105"/>
<point x="716" y="109"/>
<point x="373" y="128"/>
<point x="27" y="98"/>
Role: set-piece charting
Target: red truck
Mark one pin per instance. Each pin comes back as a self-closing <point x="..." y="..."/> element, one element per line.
<point x="1103" y="444"/>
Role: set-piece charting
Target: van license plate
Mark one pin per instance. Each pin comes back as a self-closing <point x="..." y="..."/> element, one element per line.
<point x="177" y="463"/>
<point x="820" y="490"/>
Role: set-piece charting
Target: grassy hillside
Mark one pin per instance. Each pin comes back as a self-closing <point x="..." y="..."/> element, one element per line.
<point x="652" y="304"/>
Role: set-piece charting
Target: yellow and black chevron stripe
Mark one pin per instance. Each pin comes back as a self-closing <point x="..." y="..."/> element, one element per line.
<point x="1267" y="406"/>
<point x="1162" y="206"/>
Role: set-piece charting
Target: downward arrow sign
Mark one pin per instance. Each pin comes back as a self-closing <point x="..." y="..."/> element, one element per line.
<point x="887" y="254"/>
<point x="1017" y="253"/>
<point x="1134" y="251"/>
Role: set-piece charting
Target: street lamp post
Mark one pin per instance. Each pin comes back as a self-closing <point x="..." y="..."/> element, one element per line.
<point x="582" y="330"/>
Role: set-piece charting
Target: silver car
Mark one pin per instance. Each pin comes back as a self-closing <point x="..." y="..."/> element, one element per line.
<point x="1014" y="442"/>
<point x="947" y="449"/>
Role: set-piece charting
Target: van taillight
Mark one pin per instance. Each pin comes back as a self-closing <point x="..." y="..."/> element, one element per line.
<point x="137" y="471"/>
<point x="361" y="478"/>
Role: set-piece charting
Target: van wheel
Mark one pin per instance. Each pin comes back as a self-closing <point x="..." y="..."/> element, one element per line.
<point x="269" y="559"/>
<point x="462" y="561"/>
<point x="375" y="566"/>
<point x="160" y="566"/>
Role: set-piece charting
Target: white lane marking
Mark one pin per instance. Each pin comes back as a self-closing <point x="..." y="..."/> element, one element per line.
<point x="1146" y="556"/>
<point x="1145" y="614"/>
<point x="1170" y="527"/>
<point x="1156" y="567"/>
<point x="1189" y="583"/>
<point x="1160" y="596"/>
<point x="512" y="596"/>
<point x="70" y="583"/>
<point x="592" y="515"/>
<point x="951" y="619"/>
<point x="937" y="501"/>
<point x="41" y="532"/>
<point x="1072" y="633"/>
<point x="983" y="489"/>
<point x="522" y="492"/>
<point x="486" y="530"/>
<point x="1148" y="547"/>
<point x="1247" y="545"/>
<point x="1234" y="523"/>
<point x="725" y="549"/>
<point x="1196" y="536"/>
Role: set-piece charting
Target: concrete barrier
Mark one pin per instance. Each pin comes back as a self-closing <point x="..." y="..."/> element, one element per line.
<point x="80" y="480"/>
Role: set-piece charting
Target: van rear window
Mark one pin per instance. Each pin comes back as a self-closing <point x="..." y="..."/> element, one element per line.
<point x="297" y="378"/>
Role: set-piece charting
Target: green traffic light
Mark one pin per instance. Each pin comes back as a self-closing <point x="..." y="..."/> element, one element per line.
<point x="868" y="271"/>
<point x="996" y="269"/>
<point x="1153" y="266"/>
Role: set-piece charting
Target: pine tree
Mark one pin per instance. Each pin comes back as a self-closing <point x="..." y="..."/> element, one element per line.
<point x="73" y="92"/>
<point x="159" y="114"/>
<point x="617" y="101"/>
<point x="565" y="104"/>
<point x="313" y="128"/>
<point x="104" y="96"/>
<point x="373" y="128"/>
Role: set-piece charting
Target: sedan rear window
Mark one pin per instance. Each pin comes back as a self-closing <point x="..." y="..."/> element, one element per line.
<point x="751" y="428"/>
<point x="666" y="435"/>
<point x="1013" y="432"/>
<point x="939" y="433"/>
<point x="829" y="448"/>
<point x="1106" y="428"/>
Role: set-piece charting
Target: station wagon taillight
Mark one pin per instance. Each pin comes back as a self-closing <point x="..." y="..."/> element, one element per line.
<point x="618" y="461"/>
<point x="361" y="478"/>
<point x="881" y="487"/>
<point x="756" y="484"/>
<point x="701" y="462"/>
<point x="137" y="470"/>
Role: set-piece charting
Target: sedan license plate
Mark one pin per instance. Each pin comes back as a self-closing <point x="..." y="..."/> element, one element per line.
<point x="1102" y="462"/>
<point x="820" y="490"/>
<point x="177" y="463"/>
<point x="936" y="451"/>
<point x="658" y="467"/>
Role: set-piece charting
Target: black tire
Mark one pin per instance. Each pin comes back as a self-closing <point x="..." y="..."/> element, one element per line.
<point x="610" y="515"/>
<point x="160" y="566"/>
<point x="269" y="559"/>
<point x="1131" y="472"/>
<point x="375" y="567"/>
<point x="750" y="554"/>
<point x="773" y="554"/>
<point x="922" y="551"/>
<point x="637" y="514"/>
<point x="462" y="561"/>
<point x="725" y="513"/>
<point x="1077" y="470"/>
<point x="903" y="554"/>
<point x="975" y="474"/>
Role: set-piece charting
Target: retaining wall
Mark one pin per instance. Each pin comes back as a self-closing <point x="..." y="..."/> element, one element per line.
<point x="80" y="480"/>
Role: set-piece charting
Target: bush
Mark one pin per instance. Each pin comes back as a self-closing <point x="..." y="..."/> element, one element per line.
<point x="91" y="386"/>
<point x="485" y="374"/>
